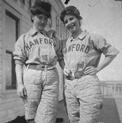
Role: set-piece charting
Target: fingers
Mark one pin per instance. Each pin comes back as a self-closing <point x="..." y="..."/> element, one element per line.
<point x="90" y="70"/>
<point x="22" y="93"/>
<point x="67" y="72"/>
<point x="89" y="67"/>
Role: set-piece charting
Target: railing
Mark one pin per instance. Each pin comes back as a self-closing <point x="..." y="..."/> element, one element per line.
<point x="112" y="89"/>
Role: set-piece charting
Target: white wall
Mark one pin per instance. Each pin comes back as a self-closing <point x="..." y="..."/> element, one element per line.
<point x="104" y="17"/>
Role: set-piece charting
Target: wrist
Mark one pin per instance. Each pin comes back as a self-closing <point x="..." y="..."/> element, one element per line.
<point x="98" y="69"/>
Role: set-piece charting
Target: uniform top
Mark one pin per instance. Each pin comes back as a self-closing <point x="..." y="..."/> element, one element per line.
<point x="36" y="47"/>
<point x="86" y="50"/>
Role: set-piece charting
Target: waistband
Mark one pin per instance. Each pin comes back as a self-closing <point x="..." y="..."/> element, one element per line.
<point x="76" y="75"/>
<point x="41" y="67"/>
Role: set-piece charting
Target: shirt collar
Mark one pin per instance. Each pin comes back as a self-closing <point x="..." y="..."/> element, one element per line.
<point x="34" y="31"/>
<point x="81" y="36"/>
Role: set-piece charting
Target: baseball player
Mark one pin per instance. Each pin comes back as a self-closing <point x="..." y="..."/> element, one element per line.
<point x="82" y="52"/>
<point x="37" y="77"/>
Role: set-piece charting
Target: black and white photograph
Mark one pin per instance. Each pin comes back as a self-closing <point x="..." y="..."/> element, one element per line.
<point x="60" y="61"/>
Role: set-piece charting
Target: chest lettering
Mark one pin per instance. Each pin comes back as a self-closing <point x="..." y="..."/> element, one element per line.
<point x="39" y="41"/>
<point x="78" y="47"/>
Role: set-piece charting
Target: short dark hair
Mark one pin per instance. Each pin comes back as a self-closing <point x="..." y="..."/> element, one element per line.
<point x="70" y="10"/>
<point x="41" y="7"/>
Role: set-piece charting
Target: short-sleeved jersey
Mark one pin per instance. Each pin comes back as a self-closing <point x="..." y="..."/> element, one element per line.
<point x="86" y="50"/>
<point x="36" y="48"/>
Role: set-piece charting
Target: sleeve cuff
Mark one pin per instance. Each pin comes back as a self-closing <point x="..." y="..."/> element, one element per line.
<point x="19" y="62"/>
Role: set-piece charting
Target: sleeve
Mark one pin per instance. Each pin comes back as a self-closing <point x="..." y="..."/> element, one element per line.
<point x="19" y="53"/>
<point x="102" y="46"/>
<point x="59" y="53"/>
<point x="58" y="45"/>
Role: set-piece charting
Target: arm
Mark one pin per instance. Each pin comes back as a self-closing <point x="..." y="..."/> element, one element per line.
<point x="62" y="60"/>
<point x="61" y="63"/>
<point x="103" y="47"/>
<point x="19" y="74"/>
<point x="21" y="91"/>
<point x="107" y="60"/>
<point x="60" y="54"/>
<point x="94" y="70"/>
<point x="58" y="45"/>
<point x="20" y="57"/>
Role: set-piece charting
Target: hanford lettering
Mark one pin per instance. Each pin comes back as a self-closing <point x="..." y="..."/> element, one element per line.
<point x="38" y="41"/>
<point x="78" y="47"/>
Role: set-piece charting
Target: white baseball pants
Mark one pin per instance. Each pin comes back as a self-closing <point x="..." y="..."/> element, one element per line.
<point x="42" y="95"/>
<point x="83" y="99"/>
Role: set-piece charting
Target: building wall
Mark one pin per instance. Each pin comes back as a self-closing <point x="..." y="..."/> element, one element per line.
<point x="0" y="46"/>
<point x="11" y="105"/>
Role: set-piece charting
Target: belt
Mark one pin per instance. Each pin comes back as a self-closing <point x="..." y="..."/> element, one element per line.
<point x="77" y="75"/>
<point x="41" y="67"/>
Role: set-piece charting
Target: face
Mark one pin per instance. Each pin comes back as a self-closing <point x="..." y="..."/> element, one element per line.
<point x="71" y="23"/>
<point x="40" y="21"/>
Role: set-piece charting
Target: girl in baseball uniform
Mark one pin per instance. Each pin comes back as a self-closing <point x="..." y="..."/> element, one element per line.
<point x="82" y="52"/>
<point x="37" y="77"/>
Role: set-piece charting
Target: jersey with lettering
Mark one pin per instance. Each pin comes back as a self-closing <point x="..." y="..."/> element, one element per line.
<point x="86" y="51"/>
<point x="36" y="48"/>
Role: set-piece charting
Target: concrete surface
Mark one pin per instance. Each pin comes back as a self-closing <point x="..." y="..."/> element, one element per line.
<point x="109" y="114"/>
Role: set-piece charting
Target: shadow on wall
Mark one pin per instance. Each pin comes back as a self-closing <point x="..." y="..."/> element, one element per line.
<point x="109" y="113"/>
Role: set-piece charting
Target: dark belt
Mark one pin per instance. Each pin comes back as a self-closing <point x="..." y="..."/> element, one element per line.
<point x="77" y="75"/>
<point x="40" y="67"/>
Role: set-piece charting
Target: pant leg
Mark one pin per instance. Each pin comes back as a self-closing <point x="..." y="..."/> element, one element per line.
<point x="33" y="85"/>
<point x="89" y="94"/>
<point x="72" y="103"/>
<point x="46" y="112"/>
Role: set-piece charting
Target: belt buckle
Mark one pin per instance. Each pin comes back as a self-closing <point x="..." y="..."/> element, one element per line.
<point x="43" y="67"/>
